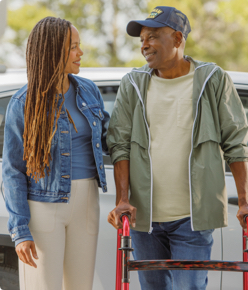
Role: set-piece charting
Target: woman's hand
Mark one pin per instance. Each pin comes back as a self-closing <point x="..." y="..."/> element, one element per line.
<point x="24" y="251"/>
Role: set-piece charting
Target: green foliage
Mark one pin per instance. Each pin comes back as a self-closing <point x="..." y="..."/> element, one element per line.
<point x="219" y="28"/>
<point x="103" y="36"/>
<point x="27" y="16"/>
<point x="24" y="19"/>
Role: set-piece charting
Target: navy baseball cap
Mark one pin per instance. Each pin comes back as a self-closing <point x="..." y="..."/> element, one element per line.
<point x="161" y="16"/>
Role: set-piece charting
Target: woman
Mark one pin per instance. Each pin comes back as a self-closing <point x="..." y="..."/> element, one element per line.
<point x="55" y="131"/>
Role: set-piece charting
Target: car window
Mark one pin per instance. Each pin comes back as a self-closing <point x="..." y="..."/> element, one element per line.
<point x="244" y="99"/>
<point x="108" y="94"/>
<point x="243" y="94"/>
<point x="3" y="106"/>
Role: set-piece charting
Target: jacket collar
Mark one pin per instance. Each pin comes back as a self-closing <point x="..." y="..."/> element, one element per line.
<point x="76" y="83"/>
<point x="197" y="64"/>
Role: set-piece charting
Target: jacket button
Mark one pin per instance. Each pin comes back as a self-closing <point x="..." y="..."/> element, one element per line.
<point x="84" y="104"/>
<point x="94" y="123"/>
<point x="62" y="112"/>
<point x="66" y="154"/>
<point x="105" y="187"/>
<point x="13" y="235"/>
<point x="66" y="176"/>
<point x="100" y="114"/>
<point x="97" y="145"/>
<point x="101" y="167"/>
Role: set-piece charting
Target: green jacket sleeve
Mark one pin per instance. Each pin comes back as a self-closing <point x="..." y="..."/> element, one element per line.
<point x="233" y="122"/>
<point x="120" y="126"/>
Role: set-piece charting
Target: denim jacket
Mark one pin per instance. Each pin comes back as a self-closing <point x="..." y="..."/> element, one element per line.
<point x="18" y="187"/>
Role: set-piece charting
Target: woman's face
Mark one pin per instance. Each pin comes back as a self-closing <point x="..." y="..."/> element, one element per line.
<point x="74" y="59"/>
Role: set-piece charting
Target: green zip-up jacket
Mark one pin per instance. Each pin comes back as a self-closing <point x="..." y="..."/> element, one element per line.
<point x="219" y="130"/>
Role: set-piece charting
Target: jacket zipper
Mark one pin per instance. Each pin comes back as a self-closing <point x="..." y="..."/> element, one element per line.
<point x="149" y="144"/>
<point x="197" y="105"/>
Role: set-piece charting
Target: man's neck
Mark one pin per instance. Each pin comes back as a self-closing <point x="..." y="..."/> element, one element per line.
<point x="174" y="70"/>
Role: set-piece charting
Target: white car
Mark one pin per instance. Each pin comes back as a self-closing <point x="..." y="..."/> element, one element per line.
<point x="227" y="241"/>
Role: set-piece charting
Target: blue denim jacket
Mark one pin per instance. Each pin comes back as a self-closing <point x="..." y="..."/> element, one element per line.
<point x="56" y="187"/>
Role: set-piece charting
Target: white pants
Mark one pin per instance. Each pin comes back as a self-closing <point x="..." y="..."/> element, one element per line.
<point x="65" y="236"/>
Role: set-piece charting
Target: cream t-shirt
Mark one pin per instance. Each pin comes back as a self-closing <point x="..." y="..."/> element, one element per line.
<point x="170" y="119"/>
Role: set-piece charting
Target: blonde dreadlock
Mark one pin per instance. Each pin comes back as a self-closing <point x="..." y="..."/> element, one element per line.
<point x="46" y="61"/>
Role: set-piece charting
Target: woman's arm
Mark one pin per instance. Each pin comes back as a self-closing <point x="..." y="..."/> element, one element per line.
<point x="14" y="171"/>
<point x="15" y="180"/>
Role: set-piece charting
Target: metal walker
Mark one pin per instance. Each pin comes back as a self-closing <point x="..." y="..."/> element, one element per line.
<point x="124" y="265"/>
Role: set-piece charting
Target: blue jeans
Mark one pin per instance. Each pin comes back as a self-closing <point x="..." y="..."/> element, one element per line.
<point x="172" y="240"/>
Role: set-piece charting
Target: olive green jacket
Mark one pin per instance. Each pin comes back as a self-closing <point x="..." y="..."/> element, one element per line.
<point x="219" y="129"/>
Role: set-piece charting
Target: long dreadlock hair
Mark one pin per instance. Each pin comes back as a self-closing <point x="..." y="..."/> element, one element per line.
<point x="46" y="57"/>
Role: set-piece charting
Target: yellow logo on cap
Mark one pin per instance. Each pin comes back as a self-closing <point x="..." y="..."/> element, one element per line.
<point x="155" y="12"/>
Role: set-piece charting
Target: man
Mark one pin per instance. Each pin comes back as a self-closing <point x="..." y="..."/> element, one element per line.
<point x="173" y="120"/>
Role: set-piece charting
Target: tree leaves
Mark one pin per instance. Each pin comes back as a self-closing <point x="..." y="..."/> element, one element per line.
<point x="219" y="28"/>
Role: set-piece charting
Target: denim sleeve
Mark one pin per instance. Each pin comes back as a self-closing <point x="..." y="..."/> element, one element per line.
<point x="105" y="122"/>
<point x="14" y="171"/>
<point x="28" y="238"/>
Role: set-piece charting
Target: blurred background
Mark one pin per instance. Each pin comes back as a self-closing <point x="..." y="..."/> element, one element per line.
<point x="219" y="29"/>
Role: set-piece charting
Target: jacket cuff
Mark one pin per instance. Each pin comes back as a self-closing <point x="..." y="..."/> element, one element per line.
<point x="118" y="156"/>
<point x="20" y="232"/>
<point x="28" y="238"/>
<point x="121" y="158"/>
<point x="236" y="159"/>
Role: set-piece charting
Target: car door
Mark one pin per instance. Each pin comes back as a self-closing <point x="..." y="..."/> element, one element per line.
<point x="228" y="241"/>
<point x="8" y="258"/>
<point x="106" y="251"/>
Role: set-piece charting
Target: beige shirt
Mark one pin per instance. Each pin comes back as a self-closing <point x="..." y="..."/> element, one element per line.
<point x="170" y="118"/>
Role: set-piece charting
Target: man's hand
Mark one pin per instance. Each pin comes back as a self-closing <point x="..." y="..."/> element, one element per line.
<point x="240" y="174"/>
<point x="24" y="251"/>
<point x="121" y="174"/>
<point x="115" y="215"/>
<point x="242" y="212"/>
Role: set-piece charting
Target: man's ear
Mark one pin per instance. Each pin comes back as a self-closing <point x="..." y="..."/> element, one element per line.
<point x="178" y="36"/>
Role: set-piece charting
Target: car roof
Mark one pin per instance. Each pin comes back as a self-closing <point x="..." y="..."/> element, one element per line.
<point x="240" y="78"/>
<point x="14" y="79"/>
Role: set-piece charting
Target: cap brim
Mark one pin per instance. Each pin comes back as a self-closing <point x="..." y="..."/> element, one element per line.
<point x="134" y="27"/>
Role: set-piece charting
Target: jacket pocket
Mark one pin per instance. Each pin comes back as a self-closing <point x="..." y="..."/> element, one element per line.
<point x="43" y="216"/>
<point x="205" y="137"/>
<point x="206" y="128"/>
<point x="97" y="112"/>
<point x="138" y="139"/>
<point x="184" y="114"/>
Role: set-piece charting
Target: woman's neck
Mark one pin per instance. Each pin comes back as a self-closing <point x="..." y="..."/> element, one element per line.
<point x="66" y="84"/>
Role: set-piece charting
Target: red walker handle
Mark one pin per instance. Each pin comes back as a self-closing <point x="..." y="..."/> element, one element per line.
<point x="245" y="254"/>
<point x="121" y="232"/>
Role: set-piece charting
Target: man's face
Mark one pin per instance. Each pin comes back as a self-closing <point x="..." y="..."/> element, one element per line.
<point x="158" y="46"/>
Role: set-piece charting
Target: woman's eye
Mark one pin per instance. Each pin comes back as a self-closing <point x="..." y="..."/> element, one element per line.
<point x="74" y="47"/>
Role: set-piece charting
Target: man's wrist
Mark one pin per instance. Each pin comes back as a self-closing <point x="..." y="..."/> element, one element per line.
<point x="124" y="200"/>
<point x="242" y="200"/>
